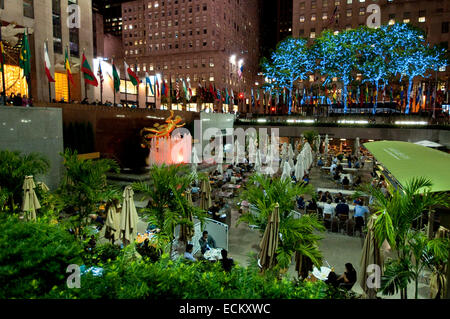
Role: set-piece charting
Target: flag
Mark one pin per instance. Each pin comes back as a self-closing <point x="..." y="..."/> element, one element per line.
<point x="332" y="18"/>
<point x="218" y="95"/>
<point x="211" y="89"/>
<point x="164" y="88"/>
<point x="367" y="93"/>
<point x="157" y="87"/>
<point x="177" y="89"/>
<point x="232" y="96"/>
<point x="67" y="68"/>
<point x="227" y="97"/>
<point x="100" y="72"/>
<point x="89" y="77"/>
<point x="25" y="56"/>
<point x="48" y="66"/>
<point x="2" y="54"/>
<point x="190" y="90"/>
<point x="116" y="78"/>
<point x="148" y="82"/>
<point x="130" y="75"/>
<point x="419" y="95"/>
<point x="186" y="93"/>
<point x="253" y="97"/>
<point x="241" y="71"/>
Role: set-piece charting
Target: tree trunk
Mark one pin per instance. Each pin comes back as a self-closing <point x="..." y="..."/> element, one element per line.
<point x="409" y="96"/>
<point x="344" y="94"/>
<point x="376" y="98"/>
<point x="430" y="224"/>
<point x="291" y="88"/>
<point x="416" y="294"/>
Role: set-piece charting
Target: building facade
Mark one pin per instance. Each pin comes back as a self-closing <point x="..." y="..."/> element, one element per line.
<point x="203" y="42"/>
<point x="47" y="21"/>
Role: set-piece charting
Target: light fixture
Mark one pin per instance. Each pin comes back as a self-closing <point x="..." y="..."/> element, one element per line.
<point x="233" y="59"/>
<point x="353" y="122"/>
<point x="411" y="123"/>
<point x="261" y="120"/>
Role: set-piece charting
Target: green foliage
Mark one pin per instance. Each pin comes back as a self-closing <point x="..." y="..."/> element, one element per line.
<point x="181" y="279"/>
<point x="297" y="234"/>
<point x="14" y="166"/>
<point x="396" y="277"/>
<point x="34" y="257"/>
<point x="169" y="206"/>
<point x="85" y="186"/>
<point x="311" y="137"/>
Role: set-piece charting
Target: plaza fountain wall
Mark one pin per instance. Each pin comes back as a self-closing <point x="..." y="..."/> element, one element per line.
<point x="30" y="129"/>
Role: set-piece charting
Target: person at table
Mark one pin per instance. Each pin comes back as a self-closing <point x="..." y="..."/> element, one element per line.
<point x="306" y="179"/>
<point x="345" y="181"/>
<point x="312" y="205"/>
<point x="327" y="196"/>
<point x="340" y="168"/>
<point x="328" y="208"/>
<point x="206" y="242"/>
<point x="348" y="278"/>
<point x="360" y="211"/>
<point x="293" y="178"/>
<point x="301" y="202"/>
<point x="214" y="211"/>
<point x="333" y="168"/>
<point x="338" y="198"/>
<point x="337" y="176"/>
<point x="358" y="201"/>
<point x="342" y="209"/>
<point x="188" y="253"/>
<point x="227" y="263"/>
<point x="349" y="160"/>
<point x="320" y="162"/>
<point x="357" y="182"/>
<point x="335" y="160"/>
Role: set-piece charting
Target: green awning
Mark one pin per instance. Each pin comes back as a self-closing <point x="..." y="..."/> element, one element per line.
<point x="407" y="160"/>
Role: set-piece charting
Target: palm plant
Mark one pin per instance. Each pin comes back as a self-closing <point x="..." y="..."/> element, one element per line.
<point x="297" y="235"/>
<point x="395" y="217"/>
<point x="169" y="206"/>
<point x="311" y="137"/>
<point x="85" y="186"/>
<point x="14" y="166"/>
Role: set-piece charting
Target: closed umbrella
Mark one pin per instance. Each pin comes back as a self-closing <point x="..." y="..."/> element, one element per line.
<point x="220" y="168"/>
<point x="43" y="186"/>
<point x="299" y="168"/>
<point x="205" y="199"/>
<point x="128" y="218"/>
<point x="258" y="162"/>
<point x="269" y="242"/>
<point x="30" y="201"/>
<point x="286" y="171"/>
<point x="326" y="144"/>
<point x="371" y="255"/>
<point x="112" y="222"/>
<point x="318" y="144"/>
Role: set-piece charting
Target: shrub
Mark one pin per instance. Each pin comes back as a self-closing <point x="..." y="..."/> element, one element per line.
<point x="34" y="257"/>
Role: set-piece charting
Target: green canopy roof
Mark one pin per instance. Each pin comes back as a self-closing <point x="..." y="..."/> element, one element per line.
<point x="407" y="160"/>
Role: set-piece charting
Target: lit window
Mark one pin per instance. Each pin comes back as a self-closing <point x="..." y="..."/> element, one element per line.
<point x="324" y="16"/>
<point x="302" y="18"/>
<point x="312" y="35"/>
<point x="406" y="20"/>
<point x="349" y="13"/>
<point x="362" y="11"/>
<point x="349" y="1"/>
<point x="313" y="17"/>
<point x="391" y="21"/>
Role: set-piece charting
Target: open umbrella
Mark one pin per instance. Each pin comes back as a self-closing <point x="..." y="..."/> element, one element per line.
<point x="112" y="223"/>
<point x="269" y="242"/>
<point x="205" y="199"/>
<point x="128" y="218"/>
<point x="30" y="201"/>
<point x="371" y="255"/>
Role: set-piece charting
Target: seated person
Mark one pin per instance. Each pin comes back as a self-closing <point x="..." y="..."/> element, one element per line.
<point x="98" y="219"/>
<point x="345" y="181"/>
<point x="360" y="211"/>
<point x="195" y="190"/>
<point x="306" y="179"/>
<point x="188" y="254"/>
<point x="206" y="242"/>
<point x="300" y="202"/>
<point x="348" y="279"/>
<point x="328" y="209"/>
<point x="342" y="208"/>
<point x="227" y="263"/>
<point x="312" y="205"/>
<point x="337" y="176"/>
<point x="357" y="182"/>
<point x="214" y="211"/>
<point x="333" y="168"/>
<point x="339" y="197"/>
<point x="332" y="279"/>
<point x="340" y="168"/>
<point x="294" y="179"/>
<point x="319" y="196"/>
<point x="358" y="201"/>
<point x="320" y="162"/>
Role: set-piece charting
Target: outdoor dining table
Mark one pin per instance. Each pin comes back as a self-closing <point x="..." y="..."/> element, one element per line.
<point x="233" y="186"/>
<point x="351" y="207"/>
<point x="225" y="194"/>
<point x="213" y="254"/>
<point x="336" y="191"/>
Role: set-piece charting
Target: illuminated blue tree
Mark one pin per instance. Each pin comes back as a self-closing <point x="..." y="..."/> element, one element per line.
<point x="411" y="56"/>
<point x="290" y="62"/>
<point x="374" y="49"/>
<point x="338" y="56"/>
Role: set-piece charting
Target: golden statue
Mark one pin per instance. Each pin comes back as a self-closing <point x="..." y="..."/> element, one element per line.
<point x="160" y="131"/>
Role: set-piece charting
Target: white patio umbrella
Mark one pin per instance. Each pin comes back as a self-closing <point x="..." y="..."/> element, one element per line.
<point x="318" y="144"/>
<point x="299" y="168"/>
<point x="286" y="171"/>
<point x="258" y="162"/>
<point x="30" y="201"/>
<point x="128" y="217"/>
<point x="220" y="168"/>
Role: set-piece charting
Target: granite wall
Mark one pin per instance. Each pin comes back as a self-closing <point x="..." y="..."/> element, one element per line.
<point x="34" y="129"/>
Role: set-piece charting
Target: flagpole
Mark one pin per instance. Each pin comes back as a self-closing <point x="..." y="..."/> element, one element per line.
<point x="137" y="86"/>
<point x="101" y="82"/>
<point x="67" y="71"/>
<point x="126" y="90"/>
<point x="29" y="75"/>
<point x="114" y="87"/>
<point x="49" y="84"/>
<point x="3" y="70"/>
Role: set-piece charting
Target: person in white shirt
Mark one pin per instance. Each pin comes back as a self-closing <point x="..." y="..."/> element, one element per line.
<point x="328" y="208"/>
<point x="188" y="254"/>
<point x="333" y="168"/>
